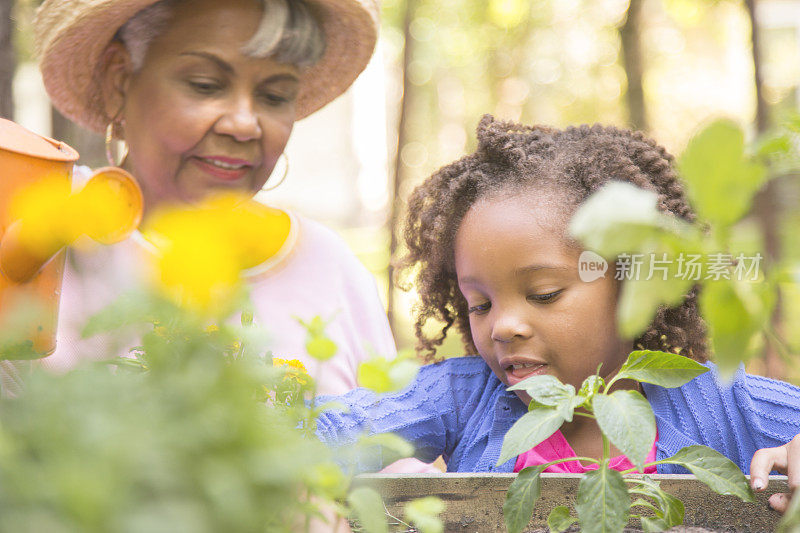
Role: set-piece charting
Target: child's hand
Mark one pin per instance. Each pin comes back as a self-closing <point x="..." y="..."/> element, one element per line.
<point x="786" y="460"/>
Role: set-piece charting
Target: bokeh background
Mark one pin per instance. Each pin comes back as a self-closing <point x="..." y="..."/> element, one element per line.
<point x="663" y="66"/>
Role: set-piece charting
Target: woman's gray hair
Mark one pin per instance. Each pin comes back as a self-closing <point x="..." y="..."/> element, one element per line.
<point x="288" y="31"/>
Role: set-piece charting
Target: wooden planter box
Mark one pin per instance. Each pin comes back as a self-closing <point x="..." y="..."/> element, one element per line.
<point x="474" y="502"/>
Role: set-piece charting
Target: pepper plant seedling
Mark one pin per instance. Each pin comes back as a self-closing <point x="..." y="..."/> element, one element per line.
<point x="626" y="420"/>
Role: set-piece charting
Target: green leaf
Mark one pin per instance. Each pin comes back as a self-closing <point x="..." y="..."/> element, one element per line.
<point x="773" y="145"/>
<point x="603" y="502"/>
<point x="328" y="480"/>
<point x="589" y="388"/>
<point x="367" y="507"/>
<point x="548" y="391"/>
<point x="640" y="298"/>
<point x="734" y="315"/>
<point x="720" y="180"/>
<point x="714" y="469"/>
<point x="424" y="514"/>
<point x="622" y="222"/>
<point x="672" y="509"/>
<point x="639" y="502"/>
<point x="314" y="327"/>
<point x="531" y="429"/>
<point x="247" y="318"/>
<point x="669" y="511"/>
<point x="653" y="525"/>
<point x="127" y="363"/>
<point x="383" y="375"/>
<point x="521" y="498"/>
<point x="622" y="217"/>
<point x="559" y="519"/>
<point x="660" y="368"/>
<point x="318" y="344"/>
<point x="402" y="372"/>
<point x="321" y="348"/>
<point x="374" y="374"/>
<point x="626" y="419"/>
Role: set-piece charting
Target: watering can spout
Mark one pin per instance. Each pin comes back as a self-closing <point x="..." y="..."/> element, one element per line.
<point x="41" y="214"/>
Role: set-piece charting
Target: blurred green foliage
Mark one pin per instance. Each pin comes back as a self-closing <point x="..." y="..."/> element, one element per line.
<point x="177" y="442"/>
<point x="738" y="291"/>
<point x="200" y="429"/>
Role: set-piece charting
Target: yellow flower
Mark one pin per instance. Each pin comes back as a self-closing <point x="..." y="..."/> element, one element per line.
<point x="293" y="363"/>
<point x="234" y="348"/>
<point x="203" y="249"/>
<point x="198" y="268"/>
<point x="295" y="370"/>
<point x="261" y="231"/>
<point x="258" y="231"/>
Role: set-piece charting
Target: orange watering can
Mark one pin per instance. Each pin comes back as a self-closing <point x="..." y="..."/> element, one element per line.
<point x="40" y="214"/>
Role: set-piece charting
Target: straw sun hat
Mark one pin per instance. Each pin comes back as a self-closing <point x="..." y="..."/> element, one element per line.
<point x="72" y="34"/>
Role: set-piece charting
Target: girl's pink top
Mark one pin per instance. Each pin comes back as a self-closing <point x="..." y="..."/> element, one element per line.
<point x="556" y="447"/>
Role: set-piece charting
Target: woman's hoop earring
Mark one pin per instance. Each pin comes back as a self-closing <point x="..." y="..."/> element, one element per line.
<point x="285" y="172"/>
<point x="119" y="160"/>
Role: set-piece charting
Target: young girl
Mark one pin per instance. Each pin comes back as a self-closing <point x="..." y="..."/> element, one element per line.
<point x="488" y="243"/>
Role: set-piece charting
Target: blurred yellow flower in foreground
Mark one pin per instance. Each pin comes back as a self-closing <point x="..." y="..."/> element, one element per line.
<point x="295" y="370"/>
<point x="51" y="215"/>
<point x="202" y="250"/>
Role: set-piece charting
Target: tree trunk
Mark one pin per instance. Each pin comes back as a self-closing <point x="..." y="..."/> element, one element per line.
<point x="766" y="207"/>
<point x="7" y="59"/>
<point x="399" y="167"/>
<point x="762" y="117"/>
<point x="630" y="37"/>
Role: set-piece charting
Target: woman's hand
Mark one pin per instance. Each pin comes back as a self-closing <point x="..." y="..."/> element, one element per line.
<point x="786" y="460"/>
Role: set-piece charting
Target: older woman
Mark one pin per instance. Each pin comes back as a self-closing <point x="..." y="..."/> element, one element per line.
<point x="204" y="93"/>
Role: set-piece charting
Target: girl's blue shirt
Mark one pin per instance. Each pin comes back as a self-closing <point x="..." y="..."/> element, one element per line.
<point x="460" y="410"/>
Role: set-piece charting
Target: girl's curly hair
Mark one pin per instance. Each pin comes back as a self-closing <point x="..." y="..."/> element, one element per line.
<point x="574" y="162"/>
